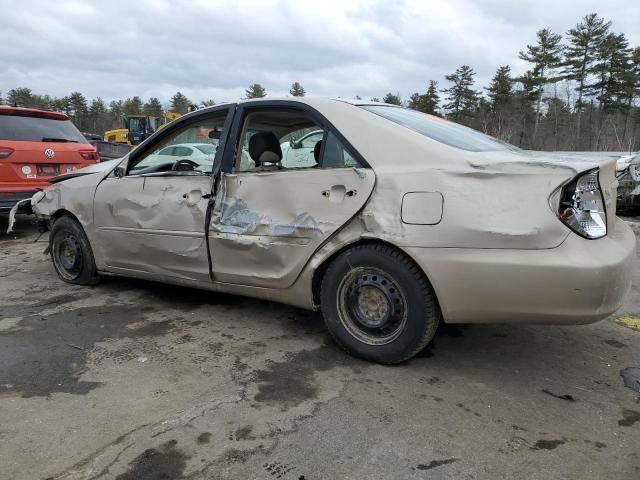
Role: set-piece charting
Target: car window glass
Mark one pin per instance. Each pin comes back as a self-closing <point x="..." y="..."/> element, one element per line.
<point x="193" y="143"/>
<point x="439" y="129"/>
<point x="336" y="155"/>
<point x="36" y="129"/>
<point x="288" y="139"/>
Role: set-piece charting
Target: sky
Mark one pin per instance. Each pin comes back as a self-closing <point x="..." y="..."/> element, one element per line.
<point x="211" y="49"/>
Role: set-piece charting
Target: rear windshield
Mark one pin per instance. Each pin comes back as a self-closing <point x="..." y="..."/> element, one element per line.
<point x="35" y="129"/>
<point x="441" y="130"/>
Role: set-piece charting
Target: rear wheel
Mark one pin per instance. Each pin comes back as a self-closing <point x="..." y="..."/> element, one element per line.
<point x="378" y="305"/>
<point x="71" y="253"/>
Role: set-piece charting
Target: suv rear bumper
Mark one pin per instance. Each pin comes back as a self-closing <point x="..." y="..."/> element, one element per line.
<point x="9" y="199"/>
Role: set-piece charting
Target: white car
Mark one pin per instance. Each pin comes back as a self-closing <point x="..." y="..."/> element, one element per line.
<point x="300" y="152"/>
<point x="196" y="155"/>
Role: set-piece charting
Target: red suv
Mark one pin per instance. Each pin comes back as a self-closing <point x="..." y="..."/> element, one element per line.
<point x="36" y="145"/>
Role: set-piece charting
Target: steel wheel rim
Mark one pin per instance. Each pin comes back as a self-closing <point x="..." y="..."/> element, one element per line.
<point x="371" y="306"/>
<point x="67" y="255"/>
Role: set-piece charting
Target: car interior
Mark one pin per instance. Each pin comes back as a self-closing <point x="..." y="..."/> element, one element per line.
<point x="199" y="142"/>
<point x="264" y="135"/>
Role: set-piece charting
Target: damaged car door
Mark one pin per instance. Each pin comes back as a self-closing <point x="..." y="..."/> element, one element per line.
<point x="268" y="220"/>
<point x="149" y="214"/>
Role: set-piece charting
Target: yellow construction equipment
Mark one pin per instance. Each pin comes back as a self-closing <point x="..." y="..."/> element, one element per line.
<point x="137" y="128"/>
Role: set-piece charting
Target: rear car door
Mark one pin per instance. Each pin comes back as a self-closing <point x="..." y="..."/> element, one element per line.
<point x="150" y="218"/>
<point x="269" y="220"/>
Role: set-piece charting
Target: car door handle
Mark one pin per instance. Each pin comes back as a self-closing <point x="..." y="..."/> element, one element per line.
<point x="337" y="193"/>
<point x="202" y="195"/>
<point x="348" y="193"/>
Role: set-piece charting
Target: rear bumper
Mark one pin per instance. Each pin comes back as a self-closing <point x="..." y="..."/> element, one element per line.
<point x="580" y="281"/>
<point x="9" y="199"/>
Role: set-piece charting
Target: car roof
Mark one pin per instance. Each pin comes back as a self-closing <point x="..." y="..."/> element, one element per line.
<point x="310" y="101"/>
<point x="31" y="112"/>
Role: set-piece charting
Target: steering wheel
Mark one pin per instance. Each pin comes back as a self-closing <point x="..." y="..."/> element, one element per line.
<point x="180" y="165"/>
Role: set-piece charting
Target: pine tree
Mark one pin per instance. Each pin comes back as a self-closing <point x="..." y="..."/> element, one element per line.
<point x="585" y="40"/>
<point x="546" y="57"/>
<point x="179" y="103"/>
<point x="428" y="102"/>
<point x="97" y="118"/>
<point x="61" y="104"/>
<point x="152" y="107"/>
<point x="20" y="97"/>
<point x="613" y="64"/>
<point x="297" y="90"/>
<point x="393" y="99"/>
<point x="255" y="90"/>
<point x="78" y="110"/>
<point x="133" y="106"/>
<point x="207" y="103"/>
<point x="414" y="100"/>
<point x="116" y="112"/>
<point x="461" y="98"/>
<point x="500" y="90"/>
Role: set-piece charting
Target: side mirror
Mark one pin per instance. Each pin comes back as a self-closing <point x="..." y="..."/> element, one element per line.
<point x="119" y="172"/>
<point x="215" y="134"/>
<point x="295" y="145"/>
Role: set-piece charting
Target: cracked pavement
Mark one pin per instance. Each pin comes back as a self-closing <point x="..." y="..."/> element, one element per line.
<point x="137" y="380"/>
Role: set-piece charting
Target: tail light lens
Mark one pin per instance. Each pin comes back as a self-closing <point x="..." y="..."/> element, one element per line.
<point x="90" y="155"/>
<point x="5" y="152"/>
<point x="582" y="206"/>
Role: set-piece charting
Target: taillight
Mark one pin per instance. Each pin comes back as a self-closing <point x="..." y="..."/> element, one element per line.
<point x="90" y="155"/>
<point x="5" y="152"/>
<point x="581" y="206"/>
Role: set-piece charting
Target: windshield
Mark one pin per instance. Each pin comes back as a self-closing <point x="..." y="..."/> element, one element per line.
<point x="37" y="129"/>
<point x="153" y="124"/>
<point x="439" y="129"/>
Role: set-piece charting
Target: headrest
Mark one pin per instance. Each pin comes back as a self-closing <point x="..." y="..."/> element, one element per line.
<point x="316" y="150"/>
<point x="264" y="147"/>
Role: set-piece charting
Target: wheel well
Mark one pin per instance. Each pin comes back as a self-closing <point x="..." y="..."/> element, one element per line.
<point x="321" y="270"/>
<point x="62" y="213"/>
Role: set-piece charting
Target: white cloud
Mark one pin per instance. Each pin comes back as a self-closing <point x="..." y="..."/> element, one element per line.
<point x="215" y="49"/>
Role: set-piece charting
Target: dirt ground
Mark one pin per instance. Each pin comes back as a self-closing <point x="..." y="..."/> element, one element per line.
<point x="136" y="380"/>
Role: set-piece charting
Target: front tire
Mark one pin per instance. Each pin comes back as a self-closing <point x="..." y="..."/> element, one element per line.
<point x="378" y="305"/>
<point x="71" y="252"/>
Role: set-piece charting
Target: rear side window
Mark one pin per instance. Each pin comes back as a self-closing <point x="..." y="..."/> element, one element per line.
<point x="35" y="129"/>
<point x="441" y="130"/>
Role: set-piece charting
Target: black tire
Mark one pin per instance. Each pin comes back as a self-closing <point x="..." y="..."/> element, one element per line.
<point x="378" y="305"/>
<point x="71" y="252"/>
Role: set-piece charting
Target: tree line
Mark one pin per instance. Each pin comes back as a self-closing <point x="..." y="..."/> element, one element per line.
<point x="580" y="92"/>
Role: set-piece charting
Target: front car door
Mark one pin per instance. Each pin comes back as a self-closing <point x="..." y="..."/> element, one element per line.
<point x="150" y="215"/>
<point x="269" y="220"/>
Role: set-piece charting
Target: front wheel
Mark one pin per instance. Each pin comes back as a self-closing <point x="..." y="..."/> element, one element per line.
<point x="71" y="252"/>
<point x="378" y="305"/>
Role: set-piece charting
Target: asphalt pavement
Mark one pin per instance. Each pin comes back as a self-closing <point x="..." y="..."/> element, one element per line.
<point x="138" y="380"/>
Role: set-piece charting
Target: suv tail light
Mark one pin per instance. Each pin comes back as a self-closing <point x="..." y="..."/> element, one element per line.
<point x="5" y="152"/>
<point x="90" y="155"/>
<point x="582" y="207"/>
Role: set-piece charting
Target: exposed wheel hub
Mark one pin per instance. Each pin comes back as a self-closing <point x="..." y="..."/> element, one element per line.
<point x="372" y="306"/>
<point x="67" y="255"/>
